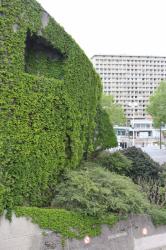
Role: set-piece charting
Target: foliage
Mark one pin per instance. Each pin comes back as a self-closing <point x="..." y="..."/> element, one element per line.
<point x="68" y="223"/>
<point x="96" y="191"/>
<point x="163" y="173"/>
<point x="114" y="110"/>
<point x="49" y="94"/>
<point x="142" y="165"/>
<point x="115" y="162"/>
<point x="104" y="133"/>
<point x="158" y="216"/>
<point x="157" y="105"/>
<point x="155" y="190"/>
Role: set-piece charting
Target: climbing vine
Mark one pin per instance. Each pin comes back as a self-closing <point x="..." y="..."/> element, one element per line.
<point x="49" y="94"/>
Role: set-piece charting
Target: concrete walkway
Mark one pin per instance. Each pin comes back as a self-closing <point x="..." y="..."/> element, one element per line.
<point x="151" y="242"/>
<point x="158" y="155"/>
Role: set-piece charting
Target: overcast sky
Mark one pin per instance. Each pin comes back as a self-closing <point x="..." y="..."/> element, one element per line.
<point x="126" y="27"/>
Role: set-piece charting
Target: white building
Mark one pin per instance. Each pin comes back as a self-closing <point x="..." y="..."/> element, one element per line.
<point x="130" y="79"/>
<point x="144" y="134"/>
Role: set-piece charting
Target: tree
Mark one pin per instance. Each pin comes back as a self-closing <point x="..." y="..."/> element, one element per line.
<point x="157" y="105"/>
<point x="104" y="133"/>
<point x="114" y="110"/>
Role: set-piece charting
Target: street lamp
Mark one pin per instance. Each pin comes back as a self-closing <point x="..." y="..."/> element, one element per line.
<point x="133" y="105"/>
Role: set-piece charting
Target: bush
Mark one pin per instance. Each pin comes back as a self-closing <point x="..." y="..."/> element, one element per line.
<point x="115" y="162"/>
<point x="96" y="191"/>
<point x="158" y="216"/>
<point x="142" y="165"/>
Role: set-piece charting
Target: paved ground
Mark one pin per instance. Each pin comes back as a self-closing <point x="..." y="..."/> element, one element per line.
<point x="157" y="154"/>
<point x="151" y="242"/>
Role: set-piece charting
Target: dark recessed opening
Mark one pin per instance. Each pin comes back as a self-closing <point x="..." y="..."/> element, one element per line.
<point x="42" y="58"/>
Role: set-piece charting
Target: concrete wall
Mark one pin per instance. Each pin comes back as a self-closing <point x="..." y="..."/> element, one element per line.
<point x="136" y="233"/>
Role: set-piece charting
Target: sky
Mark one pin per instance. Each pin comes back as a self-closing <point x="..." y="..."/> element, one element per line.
<point x="114" y="27"/>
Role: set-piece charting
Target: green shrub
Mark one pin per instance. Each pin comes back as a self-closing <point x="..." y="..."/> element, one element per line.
<point x="115" y="162"/>
<point x="158" y="216"/>
<point x="96" y="191"/>
<point x="142" y="165"/>
<point x="104" y="132"/>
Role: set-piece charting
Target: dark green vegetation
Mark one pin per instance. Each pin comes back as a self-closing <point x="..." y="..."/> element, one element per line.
<point x="147" y="174"/>
<point x="67" y="223"/>
<point x="49" y="95"/>
<point x="137" y="165"/>
<point x="142" y="165"/>
<point x="116" y="162"/>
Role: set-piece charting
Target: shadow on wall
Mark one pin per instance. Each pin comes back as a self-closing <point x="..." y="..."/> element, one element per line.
<point x="41" y="58"/>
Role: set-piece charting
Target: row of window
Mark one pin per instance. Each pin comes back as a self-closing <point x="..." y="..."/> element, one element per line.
<point x="129" y="74"/>
<point x="131" y="64"/>
<point x="115" y="70"/>
<point x="131" y="60"/>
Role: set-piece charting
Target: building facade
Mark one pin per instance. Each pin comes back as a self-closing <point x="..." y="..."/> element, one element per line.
<point x="131" y="80"/>
<point x="140" y="133"/>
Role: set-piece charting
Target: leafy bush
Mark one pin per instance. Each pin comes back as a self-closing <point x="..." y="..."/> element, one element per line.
<point x="115" y="162"/>
<point x="96" y="191"/>
<point x="158" y="216"/>
<point x="142" y="165"/>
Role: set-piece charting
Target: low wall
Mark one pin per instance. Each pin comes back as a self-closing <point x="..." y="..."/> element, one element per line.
<point x="136" y="233"/>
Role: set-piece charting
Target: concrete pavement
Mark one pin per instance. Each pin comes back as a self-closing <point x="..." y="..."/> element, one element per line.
<point x="158" y="155"/>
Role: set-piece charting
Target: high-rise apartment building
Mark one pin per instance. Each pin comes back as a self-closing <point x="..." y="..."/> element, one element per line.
<point x="130" y="79"/>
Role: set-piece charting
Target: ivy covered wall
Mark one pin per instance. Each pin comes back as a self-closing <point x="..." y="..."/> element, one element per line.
<point x="49" y="92"/>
